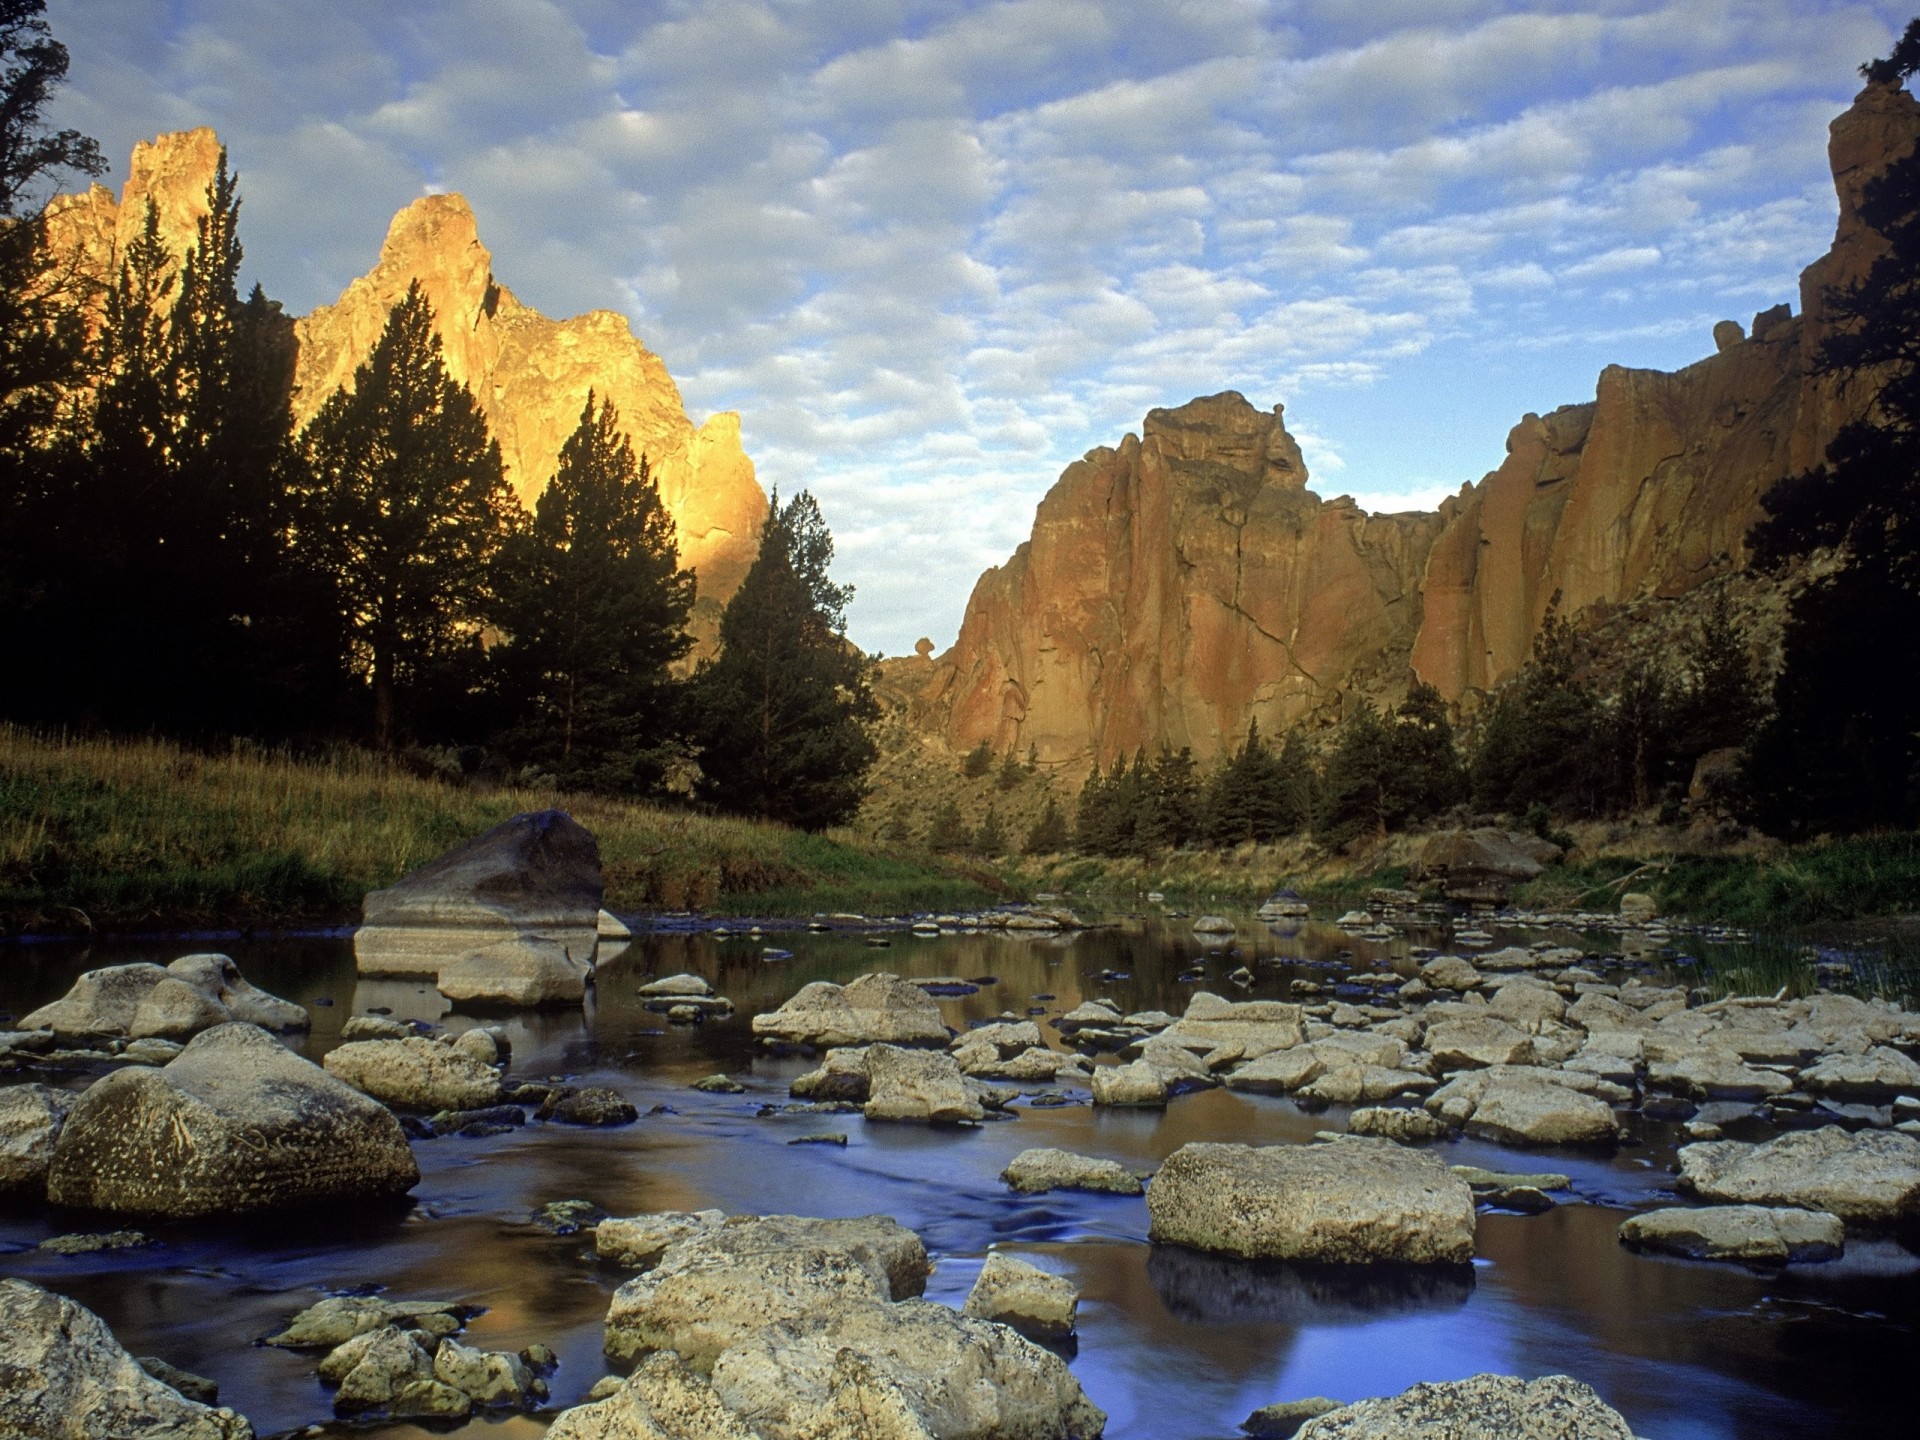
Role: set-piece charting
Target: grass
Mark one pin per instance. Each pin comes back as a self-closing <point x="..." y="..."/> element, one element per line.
<point x="130" y="834"/>
<point x="1242" y="876"/>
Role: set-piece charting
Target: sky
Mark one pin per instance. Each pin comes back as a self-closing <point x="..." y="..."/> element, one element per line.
<point x="934" y="251"/>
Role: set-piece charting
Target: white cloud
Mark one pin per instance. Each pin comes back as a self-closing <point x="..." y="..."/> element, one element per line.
<point x="934" y="251"/>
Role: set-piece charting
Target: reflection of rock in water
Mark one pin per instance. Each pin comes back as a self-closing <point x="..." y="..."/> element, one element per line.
<point x="1218" y="1290"/>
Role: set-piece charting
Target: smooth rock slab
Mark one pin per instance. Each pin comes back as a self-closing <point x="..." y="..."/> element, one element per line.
<point x="236" y="1123"/>
<point x="1352" y="1201"/>
<point x="1486" y="1407"/>
<point x="1754" y="1233"/>
<point x="1040" y="1305"/>
<point x="64" y="1377"/>
<point x="1870" y="1178"/>
<point x="1033" y="1172"/>
<point x="518" y="972"/>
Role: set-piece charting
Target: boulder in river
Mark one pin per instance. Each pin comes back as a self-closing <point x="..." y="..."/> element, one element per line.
<point x="1518" y="1105"/>
<point x="236" y="1123"/>
<point x="1349" y="1201"/>
<point x="1033" y="1172"/>
<point x="1485" y="1407"/>
<point x="536" y="875"/>
<point x="521" y="972"/>
<point x="1254" y="1026"/>
<point x="30" y="1120"/>
<point x="391" y="1370"/>
<point x="877" y="1008"/>
<point x="1757" y="1234"/>
<point x="140" y="1001"/>
<point x="1870" y="1178"/>
<point x="1037" y="1303"/>
<point x="415" y="1074"/>
<point x="661" y="1400"/>
<point x="63" y="1376"/>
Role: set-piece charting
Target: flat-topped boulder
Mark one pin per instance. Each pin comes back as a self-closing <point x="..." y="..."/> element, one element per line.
<point x="1033" y="1172"/>
<point x="876" y="1008"/>
<point x="63" y="1376"/>
<point x="1349" y="1201"/>
<point x="1869" y="1178"/>
<point x="1526" y="1106"/>
<point x="1485" y="1407"/>
<point x="1756" y="1234"/>
<point x="235" y="1123"/>
<point x="536" y="875"/>
<point x="1254" y="1027"/>
<point x="415" y="1074"/>
<point x="146" y="1001"/>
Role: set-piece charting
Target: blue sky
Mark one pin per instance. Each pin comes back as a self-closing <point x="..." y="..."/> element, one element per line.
<point x="932" y="251"/>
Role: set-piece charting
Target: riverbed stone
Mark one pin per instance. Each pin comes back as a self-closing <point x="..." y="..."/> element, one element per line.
<point x="390" y="1369"/>
<point x="194" y="993"/>
<point x="917" y="1085"/>
<point x="218" y="976"/>
<point x="1409" y="1127"/>
<point x="1869" y="1178"/>
<point x="1037" y="1303"/>
<point x="63" y="1376"/>
<point x="1480" y="1040"/>
<point x="1524" y="1106"/>
<point x="1527" y="1004"/>
<point x="330" y="1323"/>
<point x="661" y="1400"/>
<point x="1283" y="1419"/>
<point x="1254" y="1026"/>
<point x="236" y="1123"/>
<point x="1714" y="1072"/>
<point x="1140" y="1083"/>
<point x="415" y="1074"/>
<point x="636" y="1242"/>
<point x="588" y="1105"/>
<point x="1350" y="1201"/>
<point x="876" y="1008"/>
<point x="1485" y="1407"/>
<point x="1450" y="972"/>
<point x="1033" y="1172"/>
<point x="489" y="1378"/>
<point x="1881" y="1075"/>
<point x="30" y="1119"/>
<point x="1753" y="1233"/>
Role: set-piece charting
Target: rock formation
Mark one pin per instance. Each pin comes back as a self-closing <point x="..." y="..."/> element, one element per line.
<point x="530" y="374"/>
<point x="1185" y="582"/>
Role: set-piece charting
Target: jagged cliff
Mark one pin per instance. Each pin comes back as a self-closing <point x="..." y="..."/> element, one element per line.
<point x="530" y="374"/>
<point x="1186" y="582"/>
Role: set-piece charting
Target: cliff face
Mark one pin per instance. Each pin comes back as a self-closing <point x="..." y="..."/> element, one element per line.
<point x="1187" y="582"/>
<point x="529" y="374"/>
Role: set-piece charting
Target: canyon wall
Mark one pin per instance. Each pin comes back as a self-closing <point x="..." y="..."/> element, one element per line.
<point x="1185" y="583"/>
<point x="529" y="374"/>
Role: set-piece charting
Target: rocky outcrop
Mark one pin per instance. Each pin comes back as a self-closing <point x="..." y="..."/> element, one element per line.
<point x="1184" y="582"/>
<point x="511" y="917"/>
<point x="64" y="1377"/>
<point x="529" y="374"/>
<point x="1486" y="1407"/>
<point x="1349" y="1201"/>
<point x="235" y="1123"/>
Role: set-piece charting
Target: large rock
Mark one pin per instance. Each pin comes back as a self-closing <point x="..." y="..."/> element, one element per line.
<point x="236" y="1123"/>
<point x="921" y="1085"/>
<point x="520" y="972"/>
<point x="1033" y="1301"/>
<point x="1486" y="1407"/>
<point x="194" y="993"/>
<point x="873" y="1009"/>
<point x="415" y="1074"/>
<point x="536" y="875"/>
<point x="1752" y="1233"/>
<point x="1870" y="1178"/>
<point x="30" y="1121"/>
<point x="1253" y="1026"/>
<point x="1484" y="864"/>
<point x="1521" y="1106"/>
<point x="1880" y="1075"/>
<point x="64" y="1377"/>
<point x="806" y="1331"/>
<point x="1033" y="1172"/>
<point x="1478" y="1040"/>
<point x="1350" y="1201"/>
<point x="661" y="1400"/>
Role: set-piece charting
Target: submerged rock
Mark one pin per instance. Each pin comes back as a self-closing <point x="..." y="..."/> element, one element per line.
<point x="390" y="1369"/>
<point x="335" y="1320"/>
<point x="64" y="1377"/>
<point x="236" y="1123"/>
<point x="1036" y="1171"/>
<point x="877" y="1008"/>
<point x="1282" y="1420"/>
<point x="518" y="972"/>
<point x="1486" y="1407"/>
<point x="1753" y="1233"/>
<point x="1351" y="1201"/>
<point x="1870" y="1178"/>
<point x="1038" y="1304"/>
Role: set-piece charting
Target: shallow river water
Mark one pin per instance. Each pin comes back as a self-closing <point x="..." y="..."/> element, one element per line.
<point x="1172" y="1343"/>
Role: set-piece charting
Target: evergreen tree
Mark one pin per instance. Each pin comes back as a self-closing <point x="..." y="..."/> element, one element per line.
<point x="1170" y="804"/>
<point x="991" y="838"/>
<point x="406" y="514"/>
<point x="1297" y="783"/>
<point x="1362" y="799"/>
<point x="782" y="711"/>
<point x="948" y="831"/>
<point x="1090" y="815"/>
<point x="1541" y="740"/>
<point x="597" y="612"/>
<point x="1010" y="774"/>
<point x="978" y="761"/>
<point x="1721" y="700"/>
<point x="1049" y="835"/>
<point x="1247" y="797"/>
<point x="1427" y="775"/>
<point x="1841" y="750"/>
<point x="1642" y="722"/>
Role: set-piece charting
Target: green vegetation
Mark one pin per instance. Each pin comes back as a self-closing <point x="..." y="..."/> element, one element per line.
<point x="136" y="834"/>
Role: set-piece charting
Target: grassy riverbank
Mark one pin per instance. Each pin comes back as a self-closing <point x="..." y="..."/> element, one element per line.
<point x="129" y="834"/>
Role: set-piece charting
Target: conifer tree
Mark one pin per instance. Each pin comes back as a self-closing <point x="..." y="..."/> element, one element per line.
<point x="948" y="833"/>
<point x="1247" y="796"/>
<point x="406" y="513"/>
<point x="596" y="613"/>
<point x="1090" y="825"/>
<point x="978" y="761"/>
<point x="1541" y="740"/>
<point x="991" y="838"/>
<point x="781" y="712"/>
<point x="1362" y="800"/>
<point x="1049" y="835"/>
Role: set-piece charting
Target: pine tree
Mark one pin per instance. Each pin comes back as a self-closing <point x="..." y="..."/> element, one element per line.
<point x="948" y="831"/>
<point x="781" y="712"/>
<point x="978" y="761"/>
<point x="1542" y="741"/>
<point x="1247" y="797"/>
<point x="1010" y="774"/>
<point x="597" y="612"/>
<point x="991" y="838"/>
<point x="1361" y="798"/>
<point x="406" y="514"/>
<point x="1427" y="775"/>
<point x="1170" y="804"/>
<point x="1090" y="825"/>
<point x="1049" y="835"/>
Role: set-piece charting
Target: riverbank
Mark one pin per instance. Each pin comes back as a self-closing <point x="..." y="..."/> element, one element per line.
<point x="109" y="834"/>
<point x="1749" y="883"/>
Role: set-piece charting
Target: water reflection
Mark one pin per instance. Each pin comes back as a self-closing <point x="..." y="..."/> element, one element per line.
<point x="1215" y="1290"/>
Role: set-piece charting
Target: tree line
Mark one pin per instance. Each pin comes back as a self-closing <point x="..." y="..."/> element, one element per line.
<point x="176" y="556"/>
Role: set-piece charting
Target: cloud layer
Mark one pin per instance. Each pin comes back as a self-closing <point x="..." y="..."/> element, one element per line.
<point x="933" y="252"/>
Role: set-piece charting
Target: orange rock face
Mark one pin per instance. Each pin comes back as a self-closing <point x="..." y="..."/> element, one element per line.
<point x="1185" y="583"/>
<point x="530" y="374"/>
